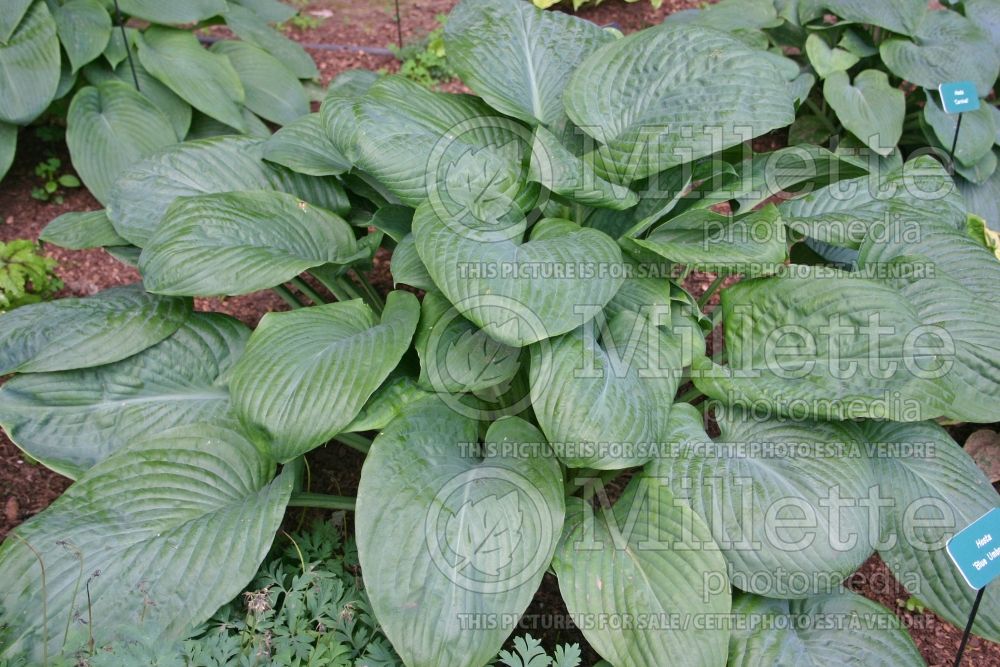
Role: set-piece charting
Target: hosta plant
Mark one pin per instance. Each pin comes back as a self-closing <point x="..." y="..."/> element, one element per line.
<point x="137" y="79"/>
<point x="868" y="75"/>
<point x="536" y="394"/>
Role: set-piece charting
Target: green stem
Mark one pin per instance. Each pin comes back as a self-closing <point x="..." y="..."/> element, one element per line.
<point x="329" y="280"/>
<point x="712" y="289"/>
<point x="690" y="395"/>
<point x="373" y="297"/>
<point x="287" y="296"/>
<point x="355" y="441"/>
<point x="305" y="288"/>
<point x="822" y="115"/>
<point x="348" y="288"/>
<point x="321" y="501"/>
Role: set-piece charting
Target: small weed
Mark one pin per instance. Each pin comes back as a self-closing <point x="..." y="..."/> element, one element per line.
<point x="425" y="61"/>
<point x="26" y="276"/>
<point x="48" y="173"/>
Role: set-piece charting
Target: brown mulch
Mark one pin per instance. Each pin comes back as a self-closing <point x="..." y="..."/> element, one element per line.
<point x="27" y="488"/>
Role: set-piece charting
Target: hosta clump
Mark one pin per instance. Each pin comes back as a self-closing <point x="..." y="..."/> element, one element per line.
<point x="534" y="409"/>
<point x="135" y="89"/>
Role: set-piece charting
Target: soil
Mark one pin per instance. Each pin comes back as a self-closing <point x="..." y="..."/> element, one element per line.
<point x="27" y="488"/>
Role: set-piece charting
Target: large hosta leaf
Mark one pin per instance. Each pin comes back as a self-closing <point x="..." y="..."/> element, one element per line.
<point x="80" y="333"/>
<point x="272" y="91"/>
<point x="71" y="420"/>
<point x="844" y="213"/>
<point x="207" y="81"/>
<point x="983" y="199"/>
<point x="946" y="47"/>
<point x="177" y="111"/>
<point x="188" y="11"/>
<point x="14" y="11"/>
<point x="337" y="109"/>
<point x="826" y="60"/>
<point x="84" y="28"/>
<point x="471" y="536"/>
<point x="869" y="107"/>
<point x="759" y="474"/>
<point x="419" y="145"/>
<point x="240" y="242"/>
<point x="672" y="94"/>
<point x="650" y="559"/>
<point x="251" y="28"/>
<point x="517" y="57"/>
<point x="954" y="293"/>
<point x="934" y="489"/>
<point x="797" y="632"/>
<point x="985" y="14"/>
<point x="305" y="147"/>
<point x="142" y="196"/>
<point x="902" y="16"/>
<point x="589" y="395"/>
<point x="307" y="374"/>
<point x="455" y="356"/>
<point x="272" y="11"/>
<point x="709" y="241"/>
<point x="77" y="230"/>
<point x="110" y="128"/>
<point x="29" y="65"/>
<point x="491" y="277"/>
<point x="163" y="532"/>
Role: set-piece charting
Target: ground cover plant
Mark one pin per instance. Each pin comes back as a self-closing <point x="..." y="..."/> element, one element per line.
<point x="538" y="384"/>
<point x="136" y="78"/>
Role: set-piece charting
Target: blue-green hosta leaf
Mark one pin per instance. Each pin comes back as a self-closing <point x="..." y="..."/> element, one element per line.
<point x="143" y="194"/>
<point x="206" y="127"/>
<point x="710" y="241"/>
<point x="869" y="107"/>
<point x="672" y="94"/>
<point x="337" y="109"/>
<point x="954" y="293"/>
<point x="844" y="213"/>
<point x="730" y="15"/>
<point x="985" y="14"/>
<point x="946" y="47"/>
<point x="306" y="374"/>
<point x="271" y="11"/>
<point x="251" y="28"/>
<point x="826" y="59"/>
<point x="562" y="172"/>
<point x="395" y="221"/>
<point x="902" y="16"/>
<point x="77" y="230"/>
<point x="471" y="536"/>
<point x="272" y="91"/>
<point x="407" y="267"/>
<point x="188" y="11"/>
<point x="934" y="489"/>
<point x="166" y="530"/>
<point x="110" y="127"/>
<point x="205" y="80"/>
<point x="304" y="147"/>
<point x="646" y="558"/>
<point x="981" y="171"/>
<point x="115" y="52"/>
<point x="387" y="403"/>
<point x="240" y="242"/>
<point x="455" y="356"/>
<point x="14" y="11"/>
<point x="71" y="420"/>
<point x="976" y="137"/>
<point x="177" y="111"/>
<point x="517" y="57"/>
<point x="8" y="146"/>
<point x="589" y="394"/>
<point x="490" y="275"/>
<point x="805" y="345"/>
<point x="84" y="28"/>
<point x="29" y="65"/>
<point x="92" y="331"/>
<point x="760" y="471"/>
<point x="797" y="632"/>
<point x="451" y="148"/>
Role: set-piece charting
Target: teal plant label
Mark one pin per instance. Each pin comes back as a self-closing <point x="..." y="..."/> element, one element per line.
<point x="976" y="550"/>
<point x="959" y="96"/>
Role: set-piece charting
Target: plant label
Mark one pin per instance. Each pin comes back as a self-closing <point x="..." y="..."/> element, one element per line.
<point x="975" y="550"/>
<point x="959" y="96"/>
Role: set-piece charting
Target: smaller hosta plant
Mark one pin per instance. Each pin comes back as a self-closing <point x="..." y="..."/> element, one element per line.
<point x="26" y="275"/>
<point x="426" y="61"/>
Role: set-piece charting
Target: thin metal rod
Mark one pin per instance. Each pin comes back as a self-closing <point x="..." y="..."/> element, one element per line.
<point x="128" y="51"/>
<point x="954" y="141"/>
<point x="972" y="616"/>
